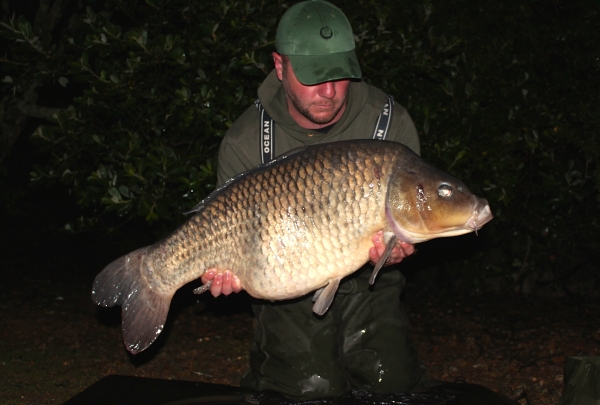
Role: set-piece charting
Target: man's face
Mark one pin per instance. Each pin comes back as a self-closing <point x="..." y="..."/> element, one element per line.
<point x="314" y="106"/>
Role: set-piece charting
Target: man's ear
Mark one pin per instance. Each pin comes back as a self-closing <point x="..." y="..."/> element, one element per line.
<point x="278" y="59"/>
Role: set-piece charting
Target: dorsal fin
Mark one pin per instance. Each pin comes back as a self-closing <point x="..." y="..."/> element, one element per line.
<point x="220" y="189"/>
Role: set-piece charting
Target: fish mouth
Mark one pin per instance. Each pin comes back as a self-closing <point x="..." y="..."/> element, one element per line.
<point x="482" y="214"/>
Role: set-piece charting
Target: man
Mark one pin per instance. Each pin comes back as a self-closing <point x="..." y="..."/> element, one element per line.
<point x="315" y="95"/>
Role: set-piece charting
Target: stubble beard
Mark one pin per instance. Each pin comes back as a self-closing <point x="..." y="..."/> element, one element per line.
<point x="303" y="109"/>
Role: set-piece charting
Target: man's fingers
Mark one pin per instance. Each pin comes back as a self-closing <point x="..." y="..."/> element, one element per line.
<point x="236" y="284"/>
<point x="217" y="285"/>
<point x="208" y="275"/>
<point x="226" y="288"/>
<point x="407" y="248"/>
<point x="373" y="255"/>
<point x="400" y="251"/>
<point x="397" y="255"/>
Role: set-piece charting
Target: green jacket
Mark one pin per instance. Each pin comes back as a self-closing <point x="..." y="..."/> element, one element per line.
<point x="240" y="148"/>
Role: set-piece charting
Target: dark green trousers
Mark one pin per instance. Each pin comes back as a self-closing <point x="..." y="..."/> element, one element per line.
<point x="362" y="342"/>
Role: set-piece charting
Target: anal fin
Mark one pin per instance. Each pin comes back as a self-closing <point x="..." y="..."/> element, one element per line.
<point x="317" y="294"/>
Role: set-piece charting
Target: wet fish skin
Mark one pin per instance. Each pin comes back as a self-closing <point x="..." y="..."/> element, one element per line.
<point x="298" y="224"/>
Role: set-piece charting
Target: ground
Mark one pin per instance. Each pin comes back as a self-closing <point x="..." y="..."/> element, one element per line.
<point x="55" y="342"/>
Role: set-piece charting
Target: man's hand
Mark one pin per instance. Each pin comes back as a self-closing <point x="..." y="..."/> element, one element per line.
<point x="224" y="283"/>
<point x="399" y="253"/>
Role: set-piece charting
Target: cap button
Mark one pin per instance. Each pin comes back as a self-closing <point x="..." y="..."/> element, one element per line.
<point x="326" y="33"/>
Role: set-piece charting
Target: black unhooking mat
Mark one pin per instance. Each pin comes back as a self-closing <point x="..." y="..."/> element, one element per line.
<point x="125" y="390"/>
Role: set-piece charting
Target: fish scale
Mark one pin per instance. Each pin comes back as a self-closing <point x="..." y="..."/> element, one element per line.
<point x="297" y="224"/>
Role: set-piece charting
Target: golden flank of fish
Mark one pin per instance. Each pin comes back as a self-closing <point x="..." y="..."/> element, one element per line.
<point x="298" y="224"/>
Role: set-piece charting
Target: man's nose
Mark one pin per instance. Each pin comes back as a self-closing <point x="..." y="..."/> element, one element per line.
<point x="327" y="90"/>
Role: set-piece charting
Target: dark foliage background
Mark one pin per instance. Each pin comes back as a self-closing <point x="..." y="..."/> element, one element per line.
<point x="122" y="105"/>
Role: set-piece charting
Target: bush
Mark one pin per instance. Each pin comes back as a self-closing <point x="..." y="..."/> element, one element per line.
<point x="504" y="95"/>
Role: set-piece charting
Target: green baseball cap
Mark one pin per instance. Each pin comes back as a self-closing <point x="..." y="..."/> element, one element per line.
<point x="317" y="38"/>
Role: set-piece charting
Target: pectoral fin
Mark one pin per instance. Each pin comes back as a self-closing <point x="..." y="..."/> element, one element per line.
<point x="324" y="296"/>
<point x="391" y="242"/>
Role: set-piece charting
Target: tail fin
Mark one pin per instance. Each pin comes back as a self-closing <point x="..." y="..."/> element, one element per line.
<point x="143" y="309"/>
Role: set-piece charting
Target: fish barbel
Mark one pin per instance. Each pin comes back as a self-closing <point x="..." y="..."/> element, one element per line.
<point x="297" y="224"/>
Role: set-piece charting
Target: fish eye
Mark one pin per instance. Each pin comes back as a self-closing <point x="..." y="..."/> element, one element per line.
<point x="445" y="190"/>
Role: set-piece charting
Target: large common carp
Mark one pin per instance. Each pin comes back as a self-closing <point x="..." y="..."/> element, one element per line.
<point x="298" y="224"/>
